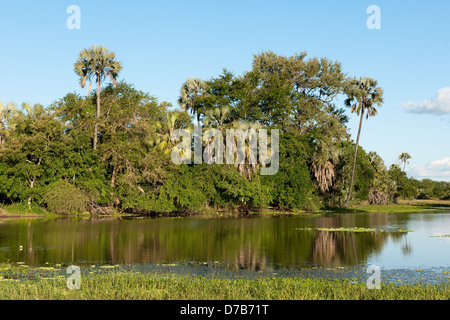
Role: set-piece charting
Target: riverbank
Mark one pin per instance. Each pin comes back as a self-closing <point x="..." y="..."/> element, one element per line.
<point x="129" y="285"/>
<point x="403" y="206"/>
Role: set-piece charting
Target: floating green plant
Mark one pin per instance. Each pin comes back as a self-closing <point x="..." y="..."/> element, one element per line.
<point x="354" y="229"/>
<point x="107" y="267"/>
<point x="46" y="268"/>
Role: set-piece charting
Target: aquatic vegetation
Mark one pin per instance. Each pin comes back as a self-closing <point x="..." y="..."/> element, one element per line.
<point x="46" y="268"/>
<point x="353" y="229"/>
<point x="118" y="285"/>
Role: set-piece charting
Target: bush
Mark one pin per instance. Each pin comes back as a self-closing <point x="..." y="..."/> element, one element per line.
<point x="291" y="187"/>
<point x="64" y="198"/>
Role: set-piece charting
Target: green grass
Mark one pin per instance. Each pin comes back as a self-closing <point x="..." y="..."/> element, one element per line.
<point x="407" y="206"/>
<point x="404" y="206"/>
<point x="21" y="209"/>
<point x="124" y="285"/>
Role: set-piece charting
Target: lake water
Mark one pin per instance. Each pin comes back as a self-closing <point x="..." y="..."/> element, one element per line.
<point x="404" y="246"/>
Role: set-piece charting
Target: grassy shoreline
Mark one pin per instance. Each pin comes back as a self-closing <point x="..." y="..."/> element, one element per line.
<point x="404" y="206"/>
<point x="129" y="285"/>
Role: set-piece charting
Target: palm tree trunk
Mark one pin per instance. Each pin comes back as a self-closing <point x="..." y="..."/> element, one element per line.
<point x="354" y="159"/>
<point x="98" y="114"/>
<point x="31" y="184"/>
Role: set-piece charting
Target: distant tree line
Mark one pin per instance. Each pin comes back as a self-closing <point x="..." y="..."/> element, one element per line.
<point x="110" y="150"/>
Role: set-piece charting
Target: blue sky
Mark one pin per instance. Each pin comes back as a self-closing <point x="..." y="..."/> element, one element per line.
<point x="162" y="43"/>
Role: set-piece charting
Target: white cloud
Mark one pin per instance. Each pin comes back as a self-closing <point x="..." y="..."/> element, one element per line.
<point x="437" y="170"/>
<point x="439" y="105"/>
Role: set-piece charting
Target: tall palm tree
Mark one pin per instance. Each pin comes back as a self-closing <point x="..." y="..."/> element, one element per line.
<point x="97" y="63"/>
<point x="189" y="94"/>
<point x="362" y="97"/>
<point x="403" y="158"/>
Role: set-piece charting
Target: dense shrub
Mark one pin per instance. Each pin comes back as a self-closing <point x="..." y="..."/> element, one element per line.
<point x="64" y="198"/>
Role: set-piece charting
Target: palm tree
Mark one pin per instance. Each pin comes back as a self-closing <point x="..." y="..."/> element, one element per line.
<point x="403" y="158"/>
<point x="250" y="165"/>
<point x="162" y="139"/>
<point x="6" y="111"/>
<point x="216" y="118"/>
<point x="32" y="111"/>
<point x="27" y="112"/>
<point x="362" y="96"/>
<point x="97" y="63"/>
<point x="189" y="94"/>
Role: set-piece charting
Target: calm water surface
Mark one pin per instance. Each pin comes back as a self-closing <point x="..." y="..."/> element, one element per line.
<point x="284" y="245"/>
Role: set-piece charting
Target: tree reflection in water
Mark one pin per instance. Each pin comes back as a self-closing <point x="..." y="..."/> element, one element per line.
<point x="251" y="244"/>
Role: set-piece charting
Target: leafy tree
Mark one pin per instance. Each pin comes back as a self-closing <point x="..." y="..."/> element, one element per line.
<point x="124" y="165"/>
<point x="292" y="186"/>
<point x="428" y="189"/>
<point x="382" y="185"/>
<point x="223" y="91"/>
<point x="129" y="119"/>
<point x="49" y="157"/>
<point x="364" y="173"/>
<point x="81" y="161"/>
<point x="289" y="91"/>
<point x="439" y="190"/>
<point x="404" y="187"/>
<point x="32" y="150"/>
